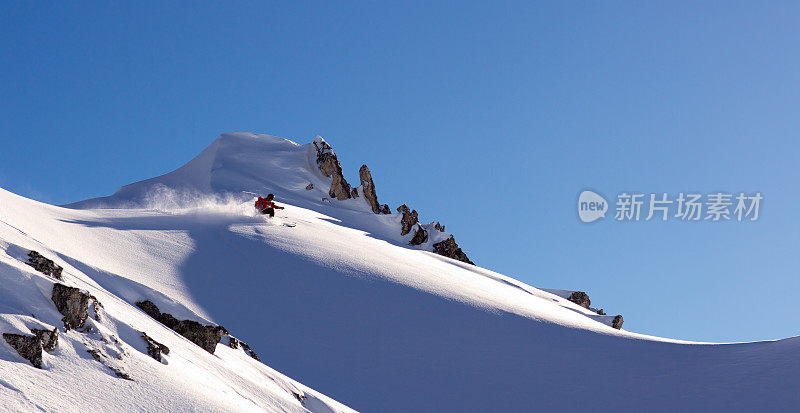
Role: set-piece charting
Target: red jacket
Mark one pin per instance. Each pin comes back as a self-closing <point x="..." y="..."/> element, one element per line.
<point x="264" y="203"/>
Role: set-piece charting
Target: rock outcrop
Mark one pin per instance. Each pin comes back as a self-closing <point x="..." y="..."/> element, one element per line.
<point x="28" y="347"/>
<point x="310" y="186"/>
<point x="205" y="336"/>
<point x="408" y="220"/>
<point x="449" y="248"/>
<point x="44" y="265"/>
<point x="155" y="349"/>
<point x="420" y="236"/>
<point x="368" y="187"/>
<point x="439" y="227"/>
<point x="49" y="338"/>
<point x="580" y="298"/>
<point x="235" y="343"/>
<point x="617" y="322"/>
<point x="329" y="165"/>
<point x="72" y="303"/>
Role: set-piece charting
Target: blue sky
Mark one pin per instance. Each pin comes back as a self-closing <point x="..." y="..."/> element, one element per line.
<point x="489" y="117"/>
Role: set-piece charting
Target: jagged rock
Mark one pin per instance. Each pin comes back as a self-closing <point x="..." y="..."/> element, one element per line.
<point x="96" y="307"/>
<point x="72" y="303"/>
<point x="420" y="236"/>
<point x="601" y="312"/>
<point x="617" y="322"/>
<point x="205" y="336"/>
<point x="154" y="348"/>
<point x="48" y="338"/>
<point x="354" y="193"/>
<point x="100" y="357"/>
<point x="310" y="186"/>
<point x="233" y="342"/>
<point x="449" y="248"/>
<point x="44" y="265"/>
<point x="329" y="165"/>
<point x="580" y="298"/>
<point x="300" y="397"/>
<point x="409" y="219"/>
<point x="439" y="227"/>
<point x="250" y="351"/>
<point x="385" y="209"/>
<point x="368" y="187"/>
<point x="28" y="347"/>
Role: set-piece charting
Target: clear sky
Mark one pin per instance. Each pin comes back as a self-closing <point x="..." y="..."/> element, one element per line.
<point x="490" y="117"/>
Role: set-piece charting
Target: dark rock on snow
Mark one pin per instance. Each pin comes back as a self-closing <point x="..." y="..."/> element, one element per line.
<point x="28" y="347"/>
<point x="385" y="209"/>
<point x="420" y="236"/>
<point x="617" y="322"/>
<point x="439" y="227"/>
<point x="205" y="336"/>
<point x="310" y="186"/>
<point x="300" y="397"/>
<point x="235" y="343"/>
<point x="601" y="312"/>
<point x="48" y="338"/>
<point x="72" y="303"/>
<point x="100" y="357"/>
<point x="44" y="265"/>
<point x="329" y="165"/>
<point x="580" y="298"/>
<point x="368" y="187"/>
<point x="409" y="219"/>
<point x="449" y="248"/>
<point x="154" y="348"/>
<point x="354" y="193"/>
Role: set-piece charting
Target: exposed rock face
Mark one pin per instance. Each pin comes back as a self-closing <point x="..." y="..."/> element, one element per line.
<point x="329" y="165"/>
<point x="235" y="343"/>
<point x="385" y="209"/>
<point x="420" y="236"/>
<point x="205" y="336"/>
<point x="48" y="338"/>
<point x="580" y="298"/>
<point x="354" y="193"/>
<point x="601" y="312"/>
<point x="617" y="322"/>
<point x="154" y="348"/>
<point x="98" y="355"/>
<point x="72" y="303"/>
<point x="409" y="219"/>
<point x="368" y="187"/>
<point x="439" y="227"/>
<point x="310" y="186"/>
<point x="44" y="265"/>
<point x="449" y="248"/>
<point x="28" y="347"/>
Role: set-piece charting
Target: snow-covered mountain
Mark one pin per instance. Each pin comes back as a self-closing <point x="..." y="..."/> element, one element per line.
<point x="340" y="301"/>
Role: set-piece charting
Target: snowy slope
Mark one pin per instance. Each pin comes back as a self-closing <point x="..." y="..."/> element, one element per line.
<point x="342" y="303"/>
<point x="190" y="379"/>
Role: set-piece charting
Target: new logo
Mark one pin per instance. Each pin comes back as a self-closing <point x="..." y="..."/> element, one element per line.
<point x="591" y="206"/>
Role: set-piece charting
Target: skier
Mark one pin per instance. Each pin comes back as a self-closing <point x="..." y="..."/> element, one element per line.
<point x="266" y="206"/>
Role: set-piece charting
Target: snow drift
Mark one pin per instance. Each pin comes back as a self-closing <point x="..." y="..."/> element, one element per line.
<point x="340" y="302"/>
